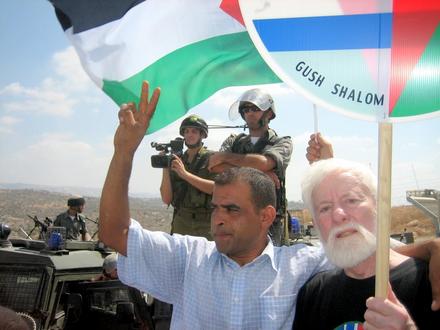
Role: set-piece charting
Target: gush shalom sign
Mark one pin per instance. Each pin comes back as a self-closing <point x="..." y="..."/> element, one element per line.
<point x="373" y="59"/>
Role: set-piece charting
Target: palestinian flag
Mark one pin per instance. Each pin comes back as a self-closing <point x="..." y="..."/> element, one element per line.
<point x="189" y="48"/>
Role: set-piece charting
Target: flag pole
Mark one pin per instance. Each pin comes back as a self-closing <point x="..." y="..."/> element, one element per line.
<point x="383" y="208"/>
<point x="315" y="122"/>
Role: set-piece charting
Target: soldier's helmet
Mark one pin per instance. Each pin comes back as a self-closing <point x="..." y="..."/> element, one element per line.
<point x="194" y="121"/>
<point x="257" y="97"/>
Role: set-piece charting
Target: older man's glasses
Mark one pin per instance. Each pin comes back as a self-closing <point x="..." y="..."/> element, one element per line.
<point x="249" y="108"/>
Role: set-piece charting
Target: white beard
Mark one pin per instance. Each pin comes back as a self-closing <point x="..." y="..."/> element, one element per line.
<point x="349" y="251"/>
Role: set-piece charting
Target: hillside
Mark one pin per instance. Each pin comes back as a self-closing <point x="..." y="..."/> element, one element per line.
<point x="16" y="205"/>
<point x="402" y="217"/>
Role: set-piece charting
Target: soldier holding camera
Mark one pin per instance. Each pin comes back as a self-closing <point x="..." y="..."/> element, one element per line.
<point x="187" y="184"/>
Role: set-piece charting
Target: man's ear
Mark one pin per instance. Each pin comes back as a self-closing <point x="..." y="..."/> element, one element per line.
<point x="268" y="215"/>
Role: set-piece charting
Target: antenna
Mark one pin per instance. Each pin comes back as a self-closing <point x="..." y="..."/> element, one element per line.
<point x="415" y="176"/>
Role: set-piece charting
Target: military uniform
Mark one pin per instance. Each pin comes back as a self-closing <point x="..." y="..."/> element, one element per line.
<point x="74" y="227"/>
<point x="192" y="215"/>
<point x="277" y="148"/>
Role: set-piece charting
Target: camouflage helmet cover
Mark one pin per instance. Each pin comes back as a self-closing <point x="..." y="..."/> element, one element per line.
<point x="194" y="121"/>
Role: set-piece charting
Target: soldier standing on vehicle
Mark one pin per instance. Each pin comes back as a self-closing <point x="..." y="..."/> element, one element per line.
<point x="261" y="148"/>
<point x="187" y="185"/>
<point x="73" y="220"/>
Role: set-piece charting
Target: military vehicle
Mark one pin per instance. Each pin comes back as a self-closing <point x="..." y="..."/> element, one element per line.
<point x="53" y="287"/>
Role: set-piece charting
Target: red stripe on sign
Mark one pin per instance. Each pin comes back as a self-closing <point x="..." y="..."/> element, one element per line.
<point x="350" y="7"/>
<point x="414" y="23"/>
<point x="232" y="8"/>
<point x="360" y="7"/>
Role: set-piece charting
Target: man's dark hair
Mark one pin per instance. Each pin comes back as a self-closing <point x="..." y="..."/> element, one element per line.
<point x="261" y="185"/>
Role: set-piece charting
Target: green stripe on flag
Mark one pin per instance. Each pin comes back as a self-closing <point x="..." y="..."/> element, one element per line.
<point x="422" y="92"/>
<point x="193" y="73"/>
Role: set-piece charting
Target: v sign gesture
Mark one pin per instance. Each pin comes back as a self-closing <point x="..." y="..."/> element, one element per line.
<point x="114" y="217"/>
<point x="133" y="123"/>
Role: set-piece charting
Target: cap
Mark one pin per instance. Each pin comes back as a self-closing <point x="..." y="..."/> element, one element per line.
<point x="255" y="96"/>
<point x="76" y="201"/>
<point x="110" y="263"/>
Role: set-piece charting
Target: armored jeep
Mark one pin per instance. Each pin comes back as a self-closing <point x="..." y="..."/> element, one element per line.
<point x="54" y="287"/>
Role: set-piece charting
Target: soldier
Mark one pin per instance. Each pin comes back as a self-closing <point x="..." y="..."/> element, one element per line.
<point x="73" y="220"/>
<point x="261" y="148"/>
<point x="187" y="185"/>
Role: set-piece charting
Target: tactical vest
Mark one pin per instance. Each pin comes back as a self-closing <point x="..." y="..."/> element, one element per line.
<point x="239" y="146"/>
<point x="185" y="195"/>
<point x="242" y="145"/>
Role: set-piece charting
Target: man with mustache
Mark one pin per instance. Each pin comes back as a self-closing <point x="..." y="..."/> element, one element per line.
<point x="341" y="197"/>
<point x="262" y="149"/>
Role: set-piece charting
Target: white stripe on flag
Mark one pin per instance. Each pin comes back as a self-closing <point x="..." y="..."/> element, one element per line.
<point x="151" y="30"/>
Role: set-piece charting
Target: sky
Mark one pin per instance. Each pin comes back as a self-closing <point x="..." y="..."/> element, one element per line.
<point x="56" y="126"/>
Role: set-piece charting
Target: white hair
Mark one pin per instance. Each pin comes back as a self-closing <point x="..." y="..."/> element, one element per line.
<point x="110" y="263"/>
<point x="319" y="170"/>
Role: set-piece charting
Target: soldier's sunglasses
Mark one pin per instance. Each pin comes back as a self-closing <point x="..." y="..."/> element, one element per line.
<point x="249" y="108"/>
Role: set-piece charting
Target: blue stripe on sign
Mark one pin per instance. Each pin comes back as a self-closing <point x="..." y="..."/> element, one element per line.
<point x="326" y="32"/>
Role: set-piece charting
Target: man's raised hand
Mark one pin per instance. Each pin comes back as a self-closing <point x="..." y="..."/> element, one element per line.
<point x="318" y="148"/>
<point x="134" y="123"/>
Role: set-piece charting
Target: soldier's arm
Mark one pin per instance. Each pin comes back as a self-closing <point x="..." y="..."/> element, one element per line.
<point x="202" y="184"/>
<point x="216" y="164"/>
<point x="280" y="152"/>
<point x="84" y="232"/>
<point x="85" y="236"/>
<point x="57" y="221"/>
<point x="260" y="162"/>
<point x="166" y="190"/>
<point x="220" y="168"/>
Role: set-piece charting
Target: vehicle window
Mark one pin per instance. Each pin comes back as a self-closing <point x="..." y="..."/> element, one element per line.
<point x="21" y="287"/>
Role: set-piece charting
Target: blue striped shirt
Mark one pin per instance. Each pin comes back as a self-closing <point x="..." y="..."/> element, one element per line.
<point x="208" y="290"/>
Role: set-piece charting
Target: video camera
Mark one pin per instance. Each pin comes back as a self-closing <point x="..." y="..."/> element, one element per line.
<point x="175" y="147"/>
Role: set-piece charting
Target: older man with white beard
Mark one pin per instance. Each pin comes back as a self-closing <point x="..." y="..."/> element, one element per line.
<point x="341" y="196"/>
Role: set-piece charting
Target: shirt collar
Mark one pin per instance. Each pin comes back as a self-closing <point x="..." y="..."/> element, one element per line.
<point x="268" y="252"/>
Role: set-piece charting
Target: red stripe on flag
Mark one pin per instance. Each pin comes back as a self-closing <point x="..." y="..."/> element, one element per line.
<point x="414" y="23"/>
<point x="232" y="8"/>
